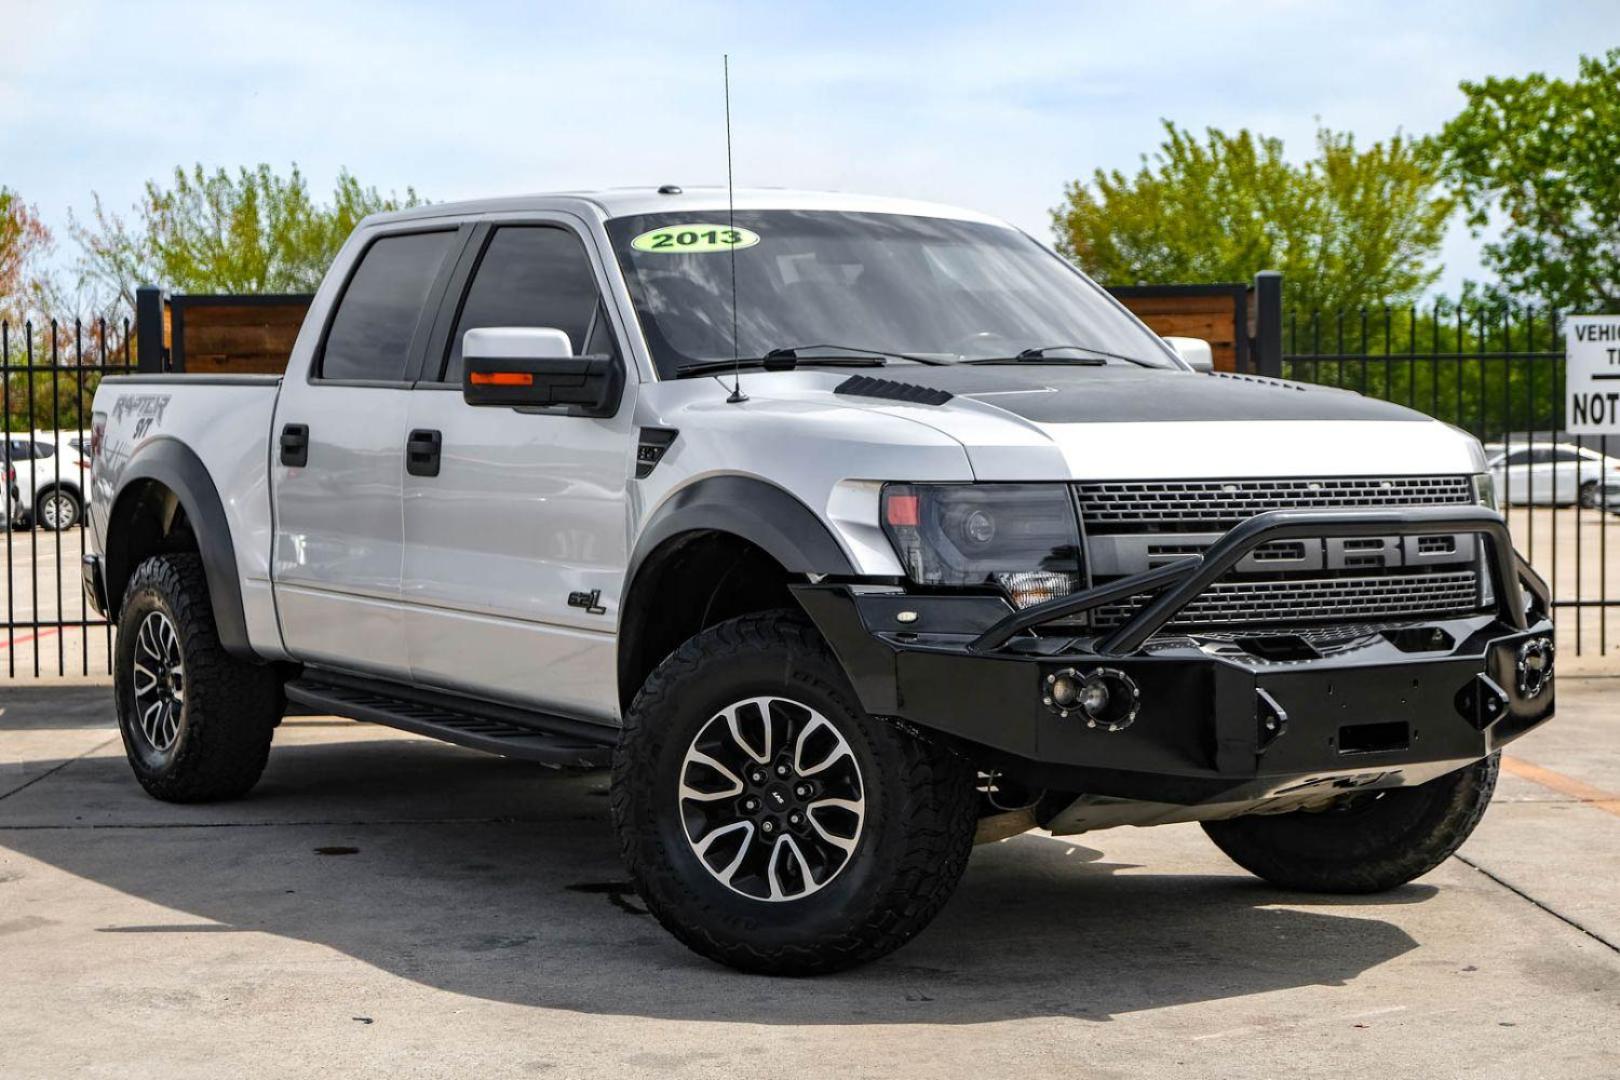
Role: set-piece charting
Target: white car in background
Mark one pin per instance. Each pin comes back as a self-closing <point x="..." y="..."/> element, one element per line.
<point x="52" y="478"/>
<point x="1550" y="474"/>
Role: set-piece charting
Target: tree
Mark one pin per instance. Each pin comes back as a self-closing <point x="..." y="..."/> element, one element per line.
<point x="26" y="284"/>
<point x="1541" y="158"/>
<point x="254" y="232"/>
<point x="1347" y="228"/>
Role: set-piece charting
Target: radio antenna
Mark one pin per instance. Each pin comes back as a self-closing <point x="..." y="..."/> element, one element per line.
<point x="737" y="396"/>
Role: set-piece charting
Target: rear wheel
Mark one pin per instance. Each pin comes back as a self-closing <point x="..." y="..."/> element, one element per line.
<point x="196" y="721"/>
<point x="771" y="824"/>
<point x="58" y="509"/>
<point x="1362" y="843"/>
<point x="1589" y="494"/>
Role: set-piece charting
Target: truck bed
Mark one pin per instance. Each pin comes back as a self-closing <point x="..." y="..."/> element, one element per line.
<point x="225" y="421"/>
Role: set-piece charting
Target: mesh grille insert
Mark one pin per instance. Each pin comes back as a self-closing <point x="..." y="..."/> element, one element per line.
<point x="1253" y="601"/>
<point x="1211" y="505"/>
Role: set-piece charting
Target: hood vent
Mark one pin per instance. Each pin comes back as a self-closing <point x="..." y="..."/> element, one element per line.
<point x="889" y="390"/>
<point x="1260" y="380"/>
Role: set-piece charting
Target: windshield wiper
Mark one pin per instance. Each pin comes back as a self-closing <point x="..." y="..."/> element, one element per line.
<point x="1098" y="357"/>
<point x="772" y="362"/>
<point x="793" y="352"/>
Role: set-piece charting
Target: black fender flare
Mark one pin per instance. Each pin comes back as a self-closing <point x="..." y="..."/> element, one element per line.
<point x="754" y="511"/>
<point x="757" y="511"/>
<point x="177" y="467"/>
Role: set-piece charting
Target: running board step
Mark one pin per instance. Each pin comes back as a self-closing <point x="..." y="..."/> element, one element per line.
<point x="495" y="729"/>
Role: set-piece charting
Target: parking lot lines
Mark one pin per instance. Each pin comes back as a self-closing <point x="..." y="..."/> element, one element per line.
<point x="1564" y="785"/>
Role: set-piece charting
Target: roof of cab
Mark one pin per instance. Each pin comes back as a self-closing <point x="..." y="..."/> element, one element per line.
<point x="622" y="202"/>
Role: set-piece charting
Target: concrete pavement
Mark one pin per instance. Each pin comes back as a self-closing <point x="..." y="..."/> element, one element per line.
<point x="384" y="905"/>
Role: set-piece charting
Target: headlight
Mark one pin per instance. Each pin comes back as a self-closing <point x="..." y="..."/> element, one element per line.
<point x="1024" y="538"/>
<point x="1485" y="490"/>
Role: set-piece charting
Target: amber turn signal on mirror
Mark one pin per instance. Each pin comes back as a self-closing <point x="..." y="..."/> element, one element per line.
<point x="500" y="378"/>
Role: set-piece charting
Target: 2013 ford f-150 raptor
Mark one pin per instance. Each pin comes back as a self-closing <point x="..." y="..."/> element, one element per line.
<point x="846" y="530"/>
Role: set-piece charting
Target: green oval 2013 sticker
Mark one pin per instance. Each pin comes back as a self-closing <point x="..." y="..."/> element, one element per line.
<point x="695" y="239"/>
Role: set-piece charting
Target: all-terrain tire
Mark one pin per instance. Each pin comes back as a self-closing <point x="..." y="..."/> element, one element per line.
<point x="920" y="808"/>
<point x="1370" y="843"/>
<point x="229" y="706"/>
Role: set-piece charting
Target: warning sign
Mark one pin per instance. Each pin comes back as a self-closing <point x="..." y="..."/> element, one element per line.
<point x="1592" y="375"/>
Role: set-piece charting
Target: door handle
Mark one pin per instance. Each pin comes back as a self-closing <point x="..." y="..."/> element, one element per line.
<point x="295" y="445"/>
<point x="422" y="452"/>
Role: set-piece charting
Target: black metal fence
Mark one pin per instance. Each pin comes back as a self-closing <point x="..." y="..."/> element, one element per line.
<point x="1497" y="372"/>
<point x="48" y="377"/>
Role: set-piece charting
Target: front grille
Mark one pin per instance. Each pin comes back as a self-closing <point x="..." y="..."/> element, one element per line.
<point x="1366" y="590"/>
<point x="1213" y="505"/>
<point x="1253" y="601"/>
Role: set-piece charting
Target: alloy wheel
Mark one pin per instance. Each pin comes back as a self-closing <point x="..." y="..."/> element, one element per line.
<point x="159" y="681"/>
<point x="771" y="799"/>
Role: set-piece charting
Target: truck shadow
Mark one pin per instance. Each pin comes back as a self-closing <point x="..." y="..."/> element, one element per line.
<point x="500" y="881"/>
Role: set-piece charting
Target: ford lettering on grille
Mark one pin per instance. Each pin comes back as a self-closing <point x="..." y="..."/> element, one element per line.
<point x="1132" y="527"/>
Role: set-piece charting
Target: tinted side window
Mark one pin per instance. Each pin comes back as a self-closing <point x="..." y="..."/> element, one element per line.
<point x="371" y="333"/>
<point x="530" y="276"/>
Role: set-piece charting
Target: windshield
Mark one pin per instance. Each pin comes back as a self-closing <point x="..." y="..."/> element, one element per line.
<point x="929" y="287"/>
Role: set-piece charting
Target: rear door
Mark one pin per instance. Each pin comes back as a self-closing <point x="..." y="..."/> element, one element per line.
<point x="338" y="456"/>
<point x="516" y="547"/>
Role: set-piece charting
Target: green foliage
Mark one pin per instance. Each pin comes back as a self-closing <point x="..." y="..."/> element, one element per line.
<point x="60" y="400"/>
<point x="254" y="232"/>
<point x="1348" y="227"/>
<point x="51" y="371"/>
<point x="1541" y="157"/>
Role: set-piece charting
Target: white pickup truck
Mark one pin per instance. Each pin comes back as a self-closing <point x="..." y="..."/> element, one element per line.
<point x="846" y="530"/>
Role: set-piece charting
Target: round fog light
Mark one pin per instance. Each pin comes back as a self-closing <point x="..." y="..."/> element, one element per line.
<point x="1535" y="667"/>
<point x="1093" y="696"/>
<point x="1106" y="697"/>
<point x="1063" y="689"/>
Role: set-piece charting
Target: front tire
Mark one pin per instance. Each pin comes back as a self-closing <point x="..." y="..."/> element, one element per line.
<point x="1588" y="497"/>
<point x="1364" y="843"/>
<point x="196" y="721"/>
<point x="767" y="821"/>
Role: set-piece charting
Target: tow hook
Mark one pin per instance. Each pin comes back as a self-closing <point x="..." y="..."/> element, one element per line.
<point x="1482" y="702"/>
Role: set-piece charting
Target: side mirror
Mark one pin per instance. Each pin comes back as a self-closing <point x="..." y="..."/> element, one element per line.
<point x="532" y="367"/>
<point x="1194" y="352"/>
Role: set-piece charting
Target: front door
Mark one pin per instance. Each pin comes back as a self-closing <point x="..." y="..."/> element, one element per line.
<point x="515" y="550"/>
<point x="337" y="457"/>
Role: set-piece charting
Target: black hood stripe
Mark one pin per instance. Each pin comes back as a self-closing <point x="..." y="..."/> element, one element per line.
<point x="1060" y="394"/>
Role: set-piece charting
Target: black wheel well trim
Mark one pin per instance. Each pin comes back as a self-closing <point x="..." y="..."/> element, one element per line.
<point x="752" y="512"/>
<point x="174" y="465"/>
<point x="765" y="515"/>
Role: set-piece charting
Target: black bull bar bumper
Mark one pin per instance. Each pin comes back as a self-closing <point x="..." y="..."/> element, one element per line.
<point x="1211" y="721"/>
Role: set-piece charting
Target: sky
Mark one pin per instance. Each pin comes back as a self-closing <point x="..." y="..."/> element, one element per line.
<point x="990" y="105"/>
